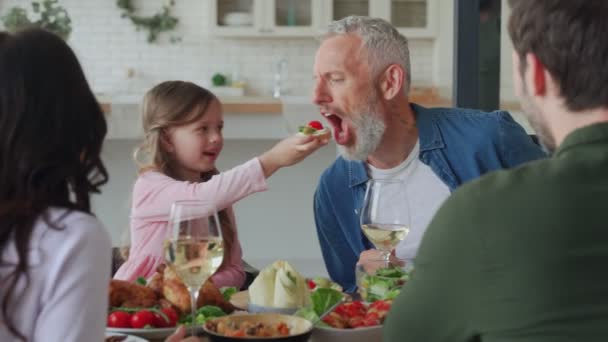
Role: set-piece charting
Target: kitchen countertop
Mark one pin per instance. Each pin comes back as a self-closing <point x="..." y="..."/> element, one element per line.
<point x="425" y="96"/>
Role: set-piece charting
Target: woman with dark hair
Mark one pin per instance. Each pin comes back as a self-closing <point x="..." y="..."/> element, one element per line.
<point x="55" y="255"/>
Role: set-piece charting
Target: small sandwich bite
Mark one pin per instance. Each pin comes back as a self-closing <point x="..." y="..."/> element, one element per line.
<point x="316" y="129"/>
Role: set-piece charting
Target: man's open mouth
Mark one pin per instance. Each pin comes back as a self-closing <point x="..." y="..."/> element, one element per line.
<point x="340" y="128"/>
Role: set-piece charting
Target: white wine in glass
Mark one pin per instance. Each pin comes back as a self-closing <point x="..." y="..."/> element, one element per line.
<point x="385" y="216"/>
<point x="195" y="249"/>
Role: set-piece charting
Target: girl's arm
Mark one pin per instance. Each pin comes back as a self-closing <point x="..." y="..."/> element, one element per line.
<point x="231" y="273"/>
<point x="154" y="192"/>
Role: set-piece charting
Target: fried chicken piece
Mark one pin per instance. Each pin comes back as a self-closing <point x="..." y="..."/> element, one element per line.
<point x="176" y="292"/>
<point x="156" y="281"/>
<point x="125" y="294"/>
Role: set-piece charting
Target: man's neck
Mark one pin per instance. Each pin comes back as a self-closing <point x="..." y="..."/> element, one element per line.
<point x="398" y="141"/>
<point x="569" y="122"/>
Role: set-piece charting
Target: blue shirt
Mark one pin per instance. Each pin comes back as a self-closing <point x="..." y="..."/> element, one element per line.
<point x="457" y="144"/>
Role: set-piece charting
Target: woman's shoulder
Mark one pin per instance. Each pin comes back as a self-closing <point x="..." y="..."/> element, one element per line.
<point x="72" y="225"/>
<point x="61" y="229"/>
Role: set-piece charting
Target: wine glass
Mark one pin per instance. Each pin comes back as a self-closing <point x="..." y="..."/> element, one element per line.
<point x="195" y="248"/>
<point x="385" y="215"/>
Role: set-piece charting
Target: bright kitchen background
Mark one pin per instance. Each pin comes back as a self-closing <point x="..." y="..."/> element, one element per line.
<point x="121" y="66"/>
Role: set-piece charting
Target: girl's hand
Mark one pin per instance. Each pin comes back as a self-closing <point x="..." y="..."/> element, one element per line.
<point x="289" y="151"/>
<point x="179" y="336"/>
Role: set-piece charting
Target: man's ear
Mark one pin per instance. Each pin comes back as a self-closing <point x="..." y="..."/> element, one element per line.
<point x="536" y="76"/>
<point x="165" y="141"/>
<point x="392" y="81"/>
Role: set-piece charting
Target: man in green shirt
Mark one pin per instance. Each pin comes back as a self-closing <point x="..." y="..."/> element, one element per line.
<point x="522" y="255"/>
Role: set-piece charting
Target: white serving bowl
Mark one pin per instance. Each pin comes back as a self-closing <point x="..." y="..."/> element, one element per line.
<point x="363" y="334"/>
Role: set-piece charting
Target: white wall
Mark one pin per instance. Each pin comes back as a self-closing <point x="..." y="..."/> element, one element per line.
<point x="108" y="45"/>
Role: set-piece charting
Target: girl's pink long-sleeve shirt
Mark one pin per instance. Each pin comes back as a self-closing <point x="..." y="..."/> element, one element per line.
<point x="153" y="195"/>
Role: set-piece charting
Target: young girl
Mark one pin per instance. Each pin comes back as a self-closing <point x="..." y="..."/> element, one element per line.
<point x="183" y="138"/>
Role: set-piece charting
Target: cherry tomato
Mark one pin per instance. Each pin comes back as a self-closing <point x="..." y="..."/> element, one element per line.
<point x="381" y="305"/>
<point x="119" y="319"/>
<point x="161" y="322"/>
<point x="142" y="319"/>
<point x="352" y="309"/>
<point x="311" y="284"/>
<point x="315" y="124"/>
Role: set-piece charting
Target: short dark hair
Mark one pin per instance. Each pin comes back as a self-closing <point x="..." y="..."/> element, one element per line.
<point x="51" y="133"/>
<point x="568" y="37"/>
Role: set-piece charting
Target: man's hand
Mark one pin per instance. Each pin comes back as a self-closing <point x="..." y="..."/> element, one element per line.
<point x="373" y="259"/>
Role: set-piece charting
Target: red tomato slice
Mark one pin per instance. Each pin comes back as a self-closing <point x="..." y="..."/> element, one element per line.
<point x="169" y="321"/>
<point x="119" y="319"/>
<point x="316" y="125"/>
<point x="143" y="318"/>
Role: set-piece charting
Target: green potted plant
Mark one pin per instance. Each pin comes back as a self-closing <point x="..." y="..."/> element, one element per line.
<point x="53" y="17"/>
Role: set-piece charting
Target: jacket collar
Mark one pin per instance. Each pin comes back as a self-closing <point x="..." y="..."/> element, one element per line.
<point x="428" y="130"/>
<point x="585" y="135"/>
<point x="428" y="133"/>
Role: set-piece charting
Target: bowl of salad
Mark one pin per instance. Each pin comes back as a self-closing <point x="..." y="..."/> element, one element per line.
<point x="381" y="283"/>
<point x="337" y="318"/>
<point x="354" y="321"/>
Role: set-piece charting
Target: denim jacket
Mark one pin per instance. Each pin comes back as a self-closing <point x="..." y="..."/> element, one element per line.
<point x="457" y="144"/>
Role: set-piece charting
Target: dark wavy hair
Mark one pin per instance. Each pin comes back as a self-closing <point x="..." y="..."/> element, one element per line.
<point x="51" y="132"/>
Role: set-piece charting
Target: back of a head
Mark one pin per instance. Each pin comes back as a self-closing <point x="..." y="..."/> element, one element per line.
<point x="568" y="38"/>
<point x="51" y="133"/>
<point x="51" y="126"/>
<point x="383" y="43"/>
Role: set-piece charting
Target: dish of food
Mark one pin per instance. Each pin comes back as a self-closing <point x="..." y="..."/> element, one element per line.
<point x="118" y="337"/>
<point x="316" y="129"/>
<point x="258" y="327"/>
<point x="356" y="314"/>
<point x="139" y="335"/>
<point x="153" y="309"/>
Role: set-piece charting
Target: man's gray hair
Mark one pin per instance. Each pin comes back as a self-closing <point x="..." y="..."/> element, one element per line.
<point x="384" y="44"/>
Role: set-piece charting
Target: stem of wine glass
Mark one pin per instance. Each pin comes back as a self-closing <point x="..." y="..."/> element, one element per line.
<point x="386" y="255"/>
<point x="193" y="299"/>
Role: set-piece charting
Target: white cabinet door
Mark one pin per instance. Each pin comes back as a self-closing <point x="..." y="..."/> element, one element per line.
<point x="234" y="18"/>
<point x="294" y="17"/>
<point x="266" y="18"/>
<point x="413" y="18"/>
<point x="338" y="9"/>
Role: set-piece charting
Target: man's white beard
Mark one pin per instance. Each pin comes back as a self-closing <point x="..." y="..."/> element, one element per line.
<point x="369" y="129"/>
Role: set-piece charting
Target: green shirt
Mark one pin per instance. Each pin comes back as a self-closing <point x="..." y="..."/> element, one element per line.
<point x="517" y="255"/>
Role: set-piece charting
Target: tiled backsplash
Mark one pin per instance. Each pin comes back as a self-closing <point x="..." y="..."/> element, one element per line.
<point x="108" y="46"/>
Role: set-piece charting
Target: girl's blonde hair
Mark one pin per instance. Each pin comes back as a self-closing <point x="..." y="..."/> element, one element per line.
<point x="170" y="104"/>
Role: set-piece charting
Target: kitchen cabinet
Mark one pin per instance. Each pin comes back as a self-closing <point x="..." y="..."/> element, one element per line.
<point x="413" y="18"/>
<point x="266" y="18"/>
<point x="307" y="18"/>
